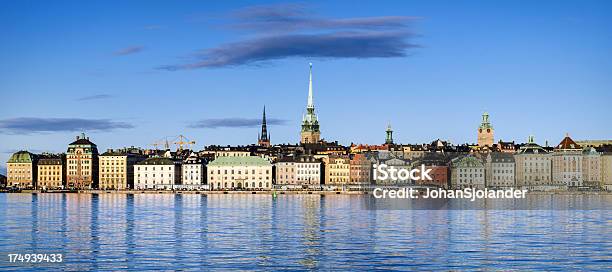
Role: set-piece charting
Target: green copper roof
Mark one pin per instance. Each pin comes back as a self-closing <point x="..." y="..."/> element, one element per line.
<point x="485" y="124"/>
<point x="240" y="161"/>
<point x="21" y="157"/>
<point x="468" y="161"/>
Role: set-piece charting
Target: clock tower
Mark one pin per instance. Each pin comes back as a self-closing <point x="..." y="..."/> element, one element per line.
<point x="485" y="132"/>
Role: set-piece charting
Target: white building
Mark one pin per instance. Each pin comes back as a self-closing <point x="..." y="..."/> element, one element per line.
<point x="298" y="172"/>
<point x="591" y="168"/>
<point x="500" y="170"/>
<point x="232" y="173"/>
<point x="193" y="173"/>
<point x="157" y="173"/>
<point x="567" y="163"/>
<point x="467" y="172"/>
<point x="534" y="168"/>
<point x="606" y="169"/>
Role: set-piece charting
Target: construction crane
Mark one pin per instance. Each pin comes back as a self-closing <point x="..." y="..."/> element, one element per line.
<point x="180" y="141"/>
<point x="183" y="141"/>
<point x="163" y="142"/>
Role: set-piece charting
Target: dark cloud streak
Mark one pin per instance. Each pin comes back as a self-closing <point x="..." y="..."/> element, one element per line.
<point x="288" y="31"/>
<point x="329" y="45"/>
<point x="290" y="17"/>
<point x="234" y="122"/>
<point x="129" y="50"/>
<point x="28" y="125"/>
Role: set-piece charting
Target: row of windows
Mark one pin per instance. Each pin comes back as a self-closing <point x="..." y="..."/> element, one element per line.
<point x="239" y="185"/>
<point x="75" y="167"/>
<point x="239" y="172"/>
<point x="109" y="163"/>
<point x="232" y="177"/>
<point x="161" y="168"/>
<point x="470" y="175"/>
<point x="461" y="170"/>
<point x="153" y="175"/>
<point x="76" y="161"/>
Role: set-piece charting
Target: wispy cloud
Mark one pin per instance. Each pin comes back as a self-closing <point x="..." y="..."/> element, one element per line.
<point x="234" y="122"/>
<point x="288" y="31"/>
<point x="28" y="125"/>
<point x="154" y="27"/>
<point x="290" y="17"/>
<point x="94" y="97"/>
<point x="128" y="50"/>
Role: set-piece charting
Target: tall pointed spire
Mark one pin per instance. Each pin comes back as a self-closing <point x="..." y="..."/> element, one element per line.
<point x="263" y="139"/>
<point x="310" y="102"/>
<point x="310" y="124"/>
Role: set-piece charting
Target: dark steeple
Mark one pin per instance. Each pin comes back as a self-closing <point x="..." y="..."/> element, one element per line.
<point x="263" y="139"/>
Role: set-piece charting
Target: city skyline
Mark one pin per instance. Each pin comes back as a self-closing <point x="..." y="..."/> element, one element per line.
<point x="433" y="83"/>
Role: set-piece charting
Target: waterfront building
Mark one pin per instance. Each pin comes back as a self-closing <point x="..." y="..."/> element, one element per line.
<point x="485" y="132"/>
<point x="157" y="173"/>
<point x="591" y="168"/>
<point x="51" y="171"/>
<point x="310" y="133"/>
<point x="567" y="163"/>
<point x="534" y="167"/>
<point x="117" y="169"/>
<point x="299" y="171"/>
<point x="337" y="170"/>
<point x="606" y="167"/>
<point x="193" y="176"/>
<point x="21" y="171"/>
<point x="360" y="170"/>
<point x="231" y="173"/>
<point x="500" y="170"/>
<point x="467" y="172"/>
<point x="82" y="164"/>
<point x="263" y="139"/>
<point x="286" y="171"/>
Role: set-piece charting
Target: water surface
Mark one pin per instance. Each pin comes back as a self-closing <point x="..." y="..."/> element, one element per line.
<point x="299" y="232"/>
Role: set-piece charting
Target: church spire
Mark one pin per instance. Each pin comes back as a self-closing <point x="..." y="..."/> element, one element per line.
<point x="310" y="124"/>
<point x="310" y="102"/>
<point x="264" y="139"/>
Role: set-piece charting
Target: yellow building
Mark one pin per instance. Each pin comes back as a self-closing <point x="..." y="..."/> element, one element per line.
<point x="117" y="169"/>
<point x="606" y="171"/>
<point x="82" y="164"/>
<point x="21" y="170"/>
<point x="337" y="170"/>
<point x="51" y="172"/>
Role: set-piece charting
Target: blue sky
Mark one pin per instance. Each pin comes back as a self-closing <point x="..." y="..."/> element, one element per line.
<point x="131" y="73"/>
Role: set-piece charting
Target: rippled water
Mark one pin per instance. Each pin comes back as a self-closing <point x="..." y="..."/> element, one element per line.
<point x="301" y="232"/>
